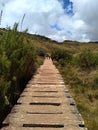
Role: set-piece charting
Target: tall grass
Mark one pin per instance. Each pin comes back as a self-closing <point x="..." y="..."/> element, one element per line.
<point x="81" y="77"/>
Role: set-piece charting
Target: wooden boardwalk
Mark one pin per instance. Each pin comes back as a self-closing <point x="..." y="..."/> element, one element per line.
<point x="45" y="104"/>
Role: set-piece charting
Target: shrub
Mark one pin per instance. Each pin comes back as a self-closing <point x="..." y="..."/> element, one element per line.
<point x="88" y="60"/>
<point x="17" y="65"/>
<point x="62" y="56"/>
<point x="41" y="52"/>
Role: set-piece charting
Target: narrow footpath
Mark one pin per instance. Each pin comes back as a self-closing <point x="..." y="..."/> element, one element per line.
<point x="45" y="104"/>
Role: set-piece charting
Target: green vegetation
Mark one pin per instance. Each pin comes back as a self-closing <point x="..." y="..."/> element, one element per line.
<point x="81" y="77"/>
<point x="21" y="54"/>
<point x="18" y="62"/>
<point x="88" y="60"/>
<point x="62" y="56"/>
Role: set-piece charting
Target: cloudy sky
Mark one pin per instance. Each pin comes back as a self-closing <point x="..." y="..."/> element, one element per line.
<point x="57" y="19"/>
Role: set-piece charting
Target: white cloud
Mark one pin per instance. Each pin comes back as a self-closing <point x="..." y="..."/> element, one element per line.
<point x="40" y="14"/>
<point x="87" y="12"/>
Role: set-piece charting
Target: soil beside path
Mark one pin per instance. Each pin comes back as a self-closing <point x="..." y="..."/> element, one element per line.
<point x="45" y="104"/>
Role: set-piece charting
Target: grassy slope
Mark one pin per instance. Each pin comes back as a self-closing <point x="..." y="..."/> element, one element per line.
<point x="86" y="97"/>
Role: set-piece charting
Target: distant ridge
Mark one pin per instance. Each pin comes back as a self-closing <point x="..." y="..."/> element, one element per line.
<point x="44" y="38"/>
<point x="41" y="37"/>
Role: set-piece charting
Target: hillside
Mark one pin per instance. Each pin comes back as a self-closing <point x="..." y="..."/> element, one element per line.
<point x="22" y="53"/>
<point x="81" y="80"/>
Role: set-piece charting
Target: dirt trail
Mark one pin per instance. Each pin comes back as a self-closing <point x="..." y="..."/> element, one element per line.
<point x="45" y="104"/>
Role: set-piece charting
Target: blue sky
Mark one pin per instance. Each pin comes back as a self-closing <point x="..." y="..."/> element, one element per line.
<point x="55" y="26"/>
<point x="68" y="10"/>
<point x="57" y="19"/>
<point x="67" y="6"/>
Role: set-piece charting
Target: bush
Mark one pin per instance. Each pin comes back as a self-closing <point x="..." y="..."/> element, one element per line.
<point x="17" y="65"/>
<point x="62" y="56"/>
<point x="88" y="60"/>
<point x="41" y="52"/>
